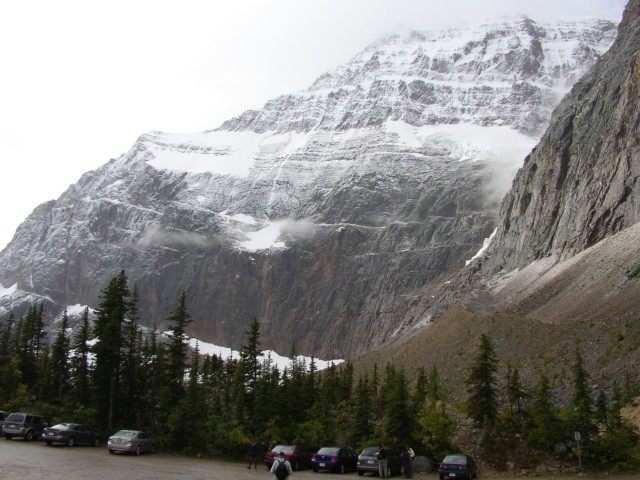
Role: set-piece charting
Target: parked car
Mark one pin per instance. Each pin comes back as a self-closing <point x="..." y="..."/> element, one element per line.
<point x="25" y="425"/>
<point x="70" y="434"/>
<point x="130" y="441"/>
<point x="298" y="457"/>
<point x="368" y="462"/>
<point x="458" y="466"/>
<point x="336" y="459"/>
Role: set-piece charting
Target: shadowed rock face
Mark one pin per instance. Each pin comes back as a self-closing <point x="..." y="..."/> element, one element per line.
<point x="322" y="213"/>
<point x="581" y="183"/>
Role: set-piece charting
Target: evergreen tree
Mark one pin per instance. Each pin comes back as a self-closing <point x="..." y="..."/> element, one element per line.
<point x="545" y="431"/>
<point x="8" y="383"/>
<point x="362" y="426"/>
<point x="79" y="362"/>
<point x="178" y="347"/>
<point x="250" y="365"/>
<point x="433" y="386"/>
<point x="107" y="375"/>
<point x="421" y="390"/>
<point x="399" y="419"/>
<point x="436" y="426"/>
<point x="516" y="393"/>
<point x="582" y="414"/>
<point x="131" y="361"/>
<point x="481" y="384"/>
<point x="59" y="379"/>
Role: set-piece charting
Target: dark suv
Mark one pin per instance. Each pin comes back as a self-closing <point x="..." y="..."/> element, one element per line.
<point x="25" y="425"/>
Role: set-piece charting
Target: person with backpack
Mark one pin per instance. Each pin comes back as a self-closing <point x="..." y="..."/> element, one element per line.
<point x="281" y="468"/>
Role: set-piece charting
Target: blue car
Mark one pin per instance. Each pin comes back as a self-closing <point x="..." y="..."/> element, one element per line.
<point x="336" y="459"/>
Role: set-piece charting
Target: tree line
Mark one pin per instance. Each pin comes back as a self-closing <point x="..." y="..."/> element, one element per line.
<point x="110" y="373"/>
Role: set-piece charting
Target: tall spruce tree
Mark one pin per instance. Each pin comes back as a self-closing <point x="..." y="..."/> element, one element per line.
<point x="582" y="403"/>
<point x="545" y="429"/>
<point x="79" y="362"/>
<point x="59" y="378"/>
<point x="107" y="375"/>
<point x="481" y="384"/>
<point x="249" y="368"/>
<point x="178" y="347"/>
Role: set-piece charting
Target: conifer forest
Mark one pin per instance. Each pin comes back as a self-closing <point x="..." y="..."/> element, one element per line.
<point x="109" y="372"/>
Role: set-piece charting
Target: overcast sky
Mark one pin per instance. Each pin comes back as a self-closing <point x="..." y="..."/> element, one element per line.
<point x="81" y="80"/>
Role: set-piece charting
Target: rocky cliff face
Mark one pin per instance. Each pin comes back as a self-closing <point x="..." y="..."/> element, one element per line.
<point x="322" y="213"/>
<point x="581" y="183"/>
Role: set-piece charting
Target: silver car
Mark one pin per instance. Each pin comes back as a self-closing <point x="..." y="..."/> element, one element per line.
<point x="130" y="441"/>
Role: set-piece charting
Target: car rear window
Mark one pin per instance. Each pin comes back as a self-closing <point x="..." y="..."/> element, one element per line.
<point x="369" y="452"/>
<point x="329" y="451"/>
<point x="15" y="417"/>
<point x="455" y="459"/>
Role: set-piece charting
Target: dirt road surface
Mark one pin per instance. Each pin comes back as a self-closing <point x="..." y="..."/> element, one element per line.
<point x="36" y="461"/>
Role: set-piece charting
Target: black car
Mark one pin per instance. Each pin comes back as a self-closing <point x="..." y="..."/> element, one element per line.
<point x="336" y="459"/>
<point x="368" y="462"/>
<point x="456" y="466"/>
<point x="25" y="425"/>
<point x="70" y="434"/>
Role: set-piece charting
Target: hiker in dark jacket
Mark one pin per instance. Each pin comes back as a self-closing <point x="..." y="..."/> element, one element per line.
<point x="252" y="452"/>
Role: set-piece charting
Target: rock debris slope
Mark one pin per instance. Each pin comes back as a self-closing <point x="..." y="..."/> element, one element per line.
<point x="324" y="212"/>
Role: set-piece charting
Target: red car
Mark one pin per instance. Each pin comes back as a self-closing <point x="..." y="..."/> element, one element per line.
<point x="298" y="457"/>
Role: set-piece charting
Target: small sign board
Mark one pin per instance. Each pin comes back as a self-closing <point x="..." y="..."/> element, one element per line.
<point x="576" y="435"/>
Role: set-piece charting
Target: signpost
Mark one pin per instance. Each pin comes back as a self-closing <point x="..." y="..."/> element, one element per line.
<point x="576" y="435"/>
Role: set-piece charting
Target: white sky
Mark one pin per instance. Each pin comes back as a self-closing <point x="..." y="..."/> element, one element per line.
<point x="80" y="81"/>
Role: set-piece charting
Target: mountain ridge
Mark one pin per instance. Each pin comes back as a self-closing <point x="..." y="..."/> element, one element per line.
<point x="384" y="188"/>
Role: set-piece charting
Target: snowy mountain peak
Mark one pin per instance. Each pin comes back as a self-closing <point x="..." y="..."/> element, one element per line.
<point x="322" y="213"/>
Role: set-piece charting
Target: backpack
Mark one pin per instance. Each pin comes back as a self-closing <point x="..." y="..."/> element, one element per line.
<point x="282" y="472"/>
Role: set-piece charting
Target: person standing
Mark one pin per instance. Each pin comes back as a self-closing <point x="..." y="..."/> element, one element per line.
<point x="281" y="468"/>
<point x="405" y="456"/>
<point x="381" y="453"/>
<point x="252" y="452"/>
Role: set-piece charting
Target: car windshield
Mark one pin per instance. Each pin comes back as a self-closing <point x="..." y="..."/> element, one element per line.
<point x="328" y="451"/>
<point x="125" y="433"/>
<point x="15" y="417"/>
<point x="369" y="452"/>
<point x="455" y="459"/>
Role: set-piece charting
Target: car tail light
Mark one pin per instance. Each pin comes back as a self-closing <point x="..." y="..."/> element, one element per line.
<point x="313" y="458"/>
<point x="464" y="467"/>
<point x="441" y="466"/>
<point x="334" y="459"/>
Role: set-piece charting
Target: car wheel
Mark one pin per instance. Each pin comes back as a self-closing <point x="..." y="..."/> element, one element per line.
<point x="96" y="442"/>
<point x="361" y="474"/>
<point x="7" y="436"/>
<point x="138" y="450"/>
<point x="28" y="436"/>
<point x="71" y="442"/>
<point x="315" y="470"/>
<point x="48" y="442"/>
<point x="111" y="452"/>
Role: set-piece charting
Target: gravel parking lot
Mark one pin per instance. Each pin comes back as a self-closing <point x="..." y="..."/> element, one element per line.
<point x="36" y="461"/>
